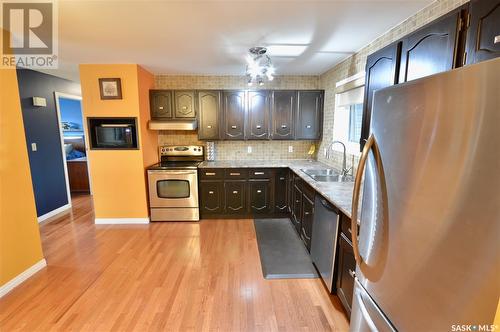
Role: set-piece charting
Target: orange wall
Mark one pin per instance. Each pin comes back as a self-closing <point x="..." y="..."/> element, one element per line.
<point x="20" y="246"/>
<point x="118" y="182"/>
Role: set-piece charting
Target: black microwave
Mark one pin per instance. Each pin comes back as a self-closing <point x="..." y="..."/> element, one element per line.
<point x="113" y="133"/>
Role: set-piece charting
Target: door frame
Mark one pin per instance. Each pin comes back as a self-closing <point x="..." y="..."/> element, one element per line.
<point x="58" y="95"/>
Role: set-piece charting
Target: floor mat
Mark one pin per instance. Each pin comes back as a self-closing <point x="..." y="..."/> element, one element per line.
<point x="282" y="253"/>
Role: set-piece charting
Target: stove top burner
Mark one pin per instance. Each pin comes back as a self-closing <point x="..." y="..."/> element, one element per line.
<point x="175" y="165"/>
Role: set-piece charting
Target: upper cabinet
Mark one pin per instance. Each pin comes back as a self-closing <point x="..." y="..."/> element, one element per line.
<point x="483" y="36"/>
<point x="381" y="72"/>
<point x="234" y="115"/>
<point x="283" y="106"/>
<point x="308" y="121"/>
<point x="434" y="48"/>
<point x="161" y="104"/>
<point x="257" y="126"/>
<point x="184" y="104"/>
<point x="243" y="114"/>
<point x="208" y="113"/>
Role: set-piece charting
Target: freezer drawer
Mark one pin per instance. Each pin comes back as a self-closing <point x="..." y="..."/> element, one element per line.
<point x="366" y="315"/>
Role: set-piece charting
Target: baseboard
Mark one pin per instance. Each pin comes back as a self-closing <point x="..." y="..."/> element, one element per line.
<point x="54" y="212"/>
<point x="19" y="279"/>
<point x="121" y="221"/>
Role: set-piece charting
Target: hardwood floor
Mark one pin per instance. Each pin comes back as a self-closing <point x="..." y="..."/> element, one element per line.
<point x="161" y="276"/>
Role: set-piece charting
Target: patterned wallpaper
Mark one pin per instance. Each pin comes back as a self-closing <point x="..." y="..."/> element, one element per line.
<point x="230" y="150"/>
<point x="356" y="63"/>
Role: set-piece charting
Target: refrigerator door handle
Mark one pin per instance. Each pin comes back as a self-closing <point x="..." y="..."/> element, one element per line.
<point x="370" y="143"/>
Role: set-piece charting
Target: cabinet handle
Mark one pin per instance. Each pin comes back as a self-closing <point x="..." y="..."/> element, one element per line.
<point x="297" y="201"/>
<point x="306" y="213"/>
<point x="497" y="39"/>
<point x="160" y="108"/>
<point x="308" y="126"/>
<point x="258" y="173"/>
<point x="282" y="178"/>
<point x="184" y="107"/>
<point x="349" y="230"/>
<point x="283" y="126"/>
<point x="209" y="174"/>
<point x="352" y="273"/>
<point x="235" y="191"/>
<point x="211" y="192"/>
<point x="259" y="191"/>
<point x="234" y="174"/>
<point x="258" y="126"/>
<point x="234" y="127"/>
<point x="209" y="127"/>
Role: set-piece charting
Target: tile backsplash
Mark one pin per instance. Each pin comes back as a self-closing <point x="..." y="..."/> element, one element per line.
<point x="230" y="150"/>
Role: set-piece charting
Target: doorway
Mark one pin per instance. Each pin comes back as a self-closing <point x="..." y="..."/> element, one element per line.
<point x="73" y="143"/>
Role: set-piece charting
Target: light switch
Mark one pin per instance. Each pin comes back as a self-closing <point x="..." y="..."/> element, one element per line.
<point x="290" y="149"/>
<point x="39" y="101"/>
<point x="33" y="146"/>
<point x="249" y="149"/>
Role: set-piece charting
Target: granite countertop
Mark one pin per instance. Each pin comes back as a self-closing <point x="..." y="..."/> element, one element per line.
<point x="337" y="193"/>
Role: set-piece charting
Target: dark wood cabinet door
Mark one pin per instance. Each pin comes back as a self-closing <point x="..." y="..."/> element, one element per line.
<point x="282" y="114"/>
<point x="184" y="104"/>
<point x="297" y="209"/>
<point x="235" y="197"/>
<point x="431" y="49"/>
<point x="289" y="191"/>
<point x="234" y="114"/>
<point x="483" y="36"/>
<point x="78" y="176"/>
<point x="257" y="126"/>
<point x="208" y="113"/>
<point x="307" y="221"/>
<point x="212" y="197"/>
<point x="309" y="115"/>
<point x="381" y="71"/>
<point x="281" y="188"/>
<point x="259" y="196"/>
<point x="345" y="273"/>
<point x="161" y="104"/>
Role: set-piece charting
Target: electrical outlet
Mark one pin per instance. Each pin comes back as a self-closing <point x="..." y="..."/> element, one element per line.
<point x="249" y="149"/>
<point x="290" y="148"/>
<point x="33" y="147"/>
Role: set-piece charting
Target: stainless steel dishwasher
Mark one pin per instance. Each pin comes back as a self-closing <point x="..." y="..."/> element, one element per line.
<point x="324" y="239"/>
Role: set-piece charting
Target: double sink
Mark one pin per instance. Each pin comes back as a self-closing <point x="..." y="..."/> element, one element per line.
<point x="326" y="175"/>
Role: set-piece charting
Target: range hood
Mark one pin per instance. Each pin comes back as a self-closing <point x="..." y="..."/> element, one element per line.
<point x="173" y="125"/>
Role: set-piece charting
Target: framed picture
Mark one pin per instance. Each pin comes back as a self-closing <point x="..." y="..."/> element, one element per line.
<point x="110" y="88"/>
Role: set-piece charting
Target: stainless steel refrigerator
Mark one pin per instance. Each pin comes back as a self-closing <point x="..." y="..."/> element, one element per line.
<point x="429" y="236"/>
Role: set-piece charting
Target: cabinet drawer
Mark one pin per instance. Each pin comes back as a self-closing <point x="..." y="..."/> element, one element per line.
<point x="211" y="173"/>
<point x="236" y="173"/>
<point x="345" y="227"/>
<point x="308" y="191"/>
<point x="260" y="173"/>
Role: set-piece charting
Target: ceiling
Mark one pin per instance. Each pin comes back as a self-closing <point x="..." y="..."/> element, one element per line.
<point x="212" y="38"/>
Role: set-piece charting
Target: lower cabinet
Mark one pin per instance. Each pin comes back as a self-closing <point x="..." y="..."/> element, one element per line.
<point x="212" y="197"/>
<point x="346" y="266"/>
<point x="307" y="221"/>
<point x="296" y="216"/>
<point x="235" y="197"/>
<point x="281" y="192"/>
<point x="259" y="192"/>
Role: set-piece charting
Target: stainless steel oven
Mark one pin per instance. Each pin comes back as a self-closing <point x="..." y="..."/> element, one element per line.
<point x="173" y="184"/>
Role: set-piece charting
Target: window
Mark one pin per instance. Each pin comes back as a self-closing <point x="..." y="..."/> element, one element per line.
<point x="348" y="117"/>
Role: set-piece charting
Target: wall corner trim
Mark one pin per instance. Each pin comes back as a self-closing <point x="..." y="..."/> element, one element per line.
<point x="121" y="221"/>
<point x="54" y="212"/>
<point x="20" y="278"/>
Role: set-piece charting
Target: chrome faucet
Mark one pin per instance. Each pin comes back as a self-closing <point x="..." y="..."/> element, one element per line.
<point x="345" y="170"/>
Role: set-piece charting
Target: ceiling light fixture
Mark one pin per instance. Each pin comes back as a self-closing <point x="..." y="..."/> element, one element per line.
<point x="259" y="66"/>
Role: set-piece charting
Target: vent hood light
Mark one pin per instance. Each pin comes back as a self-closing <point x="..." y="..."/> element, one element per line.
<point x="173" y="125"/>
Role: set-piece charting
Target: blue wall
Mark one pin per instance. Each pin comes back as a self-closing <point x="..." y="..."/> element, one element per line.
<point x="41" y="127"/>
<point x="71" y="111"/>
